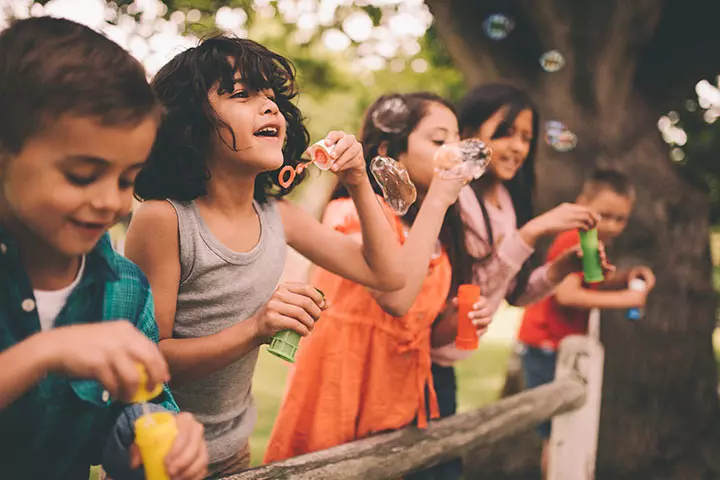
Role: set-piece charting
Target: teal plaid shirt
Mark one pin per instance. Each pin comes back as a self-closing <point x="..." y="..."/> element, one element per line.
<point x="58" y="429"/>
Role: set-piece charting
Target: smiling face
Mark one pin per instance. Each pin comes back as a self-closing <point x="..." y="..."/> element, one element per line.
<point x="257" y="125"/>
<point x="511" y="148"/>
<point x="438" y="127"/>
<point x="73" y="180"/>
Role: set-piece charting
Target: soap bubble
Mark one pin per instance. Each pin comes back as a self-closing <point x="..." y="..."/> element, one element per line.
<point x="467" y="159"/>
<point x="391" y="116"/>
<point x="552" y="61"/>
<point x="559" y="137"/>
<point x="498" y="26"/>
<point x="397" y="188"/>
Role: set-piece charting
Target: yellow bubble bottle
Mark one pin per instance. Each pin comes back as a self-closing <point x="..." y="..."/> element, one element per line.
<point x="154" y="435"/>
<point x="144" y="395"/>
<point x="154" y="432"/>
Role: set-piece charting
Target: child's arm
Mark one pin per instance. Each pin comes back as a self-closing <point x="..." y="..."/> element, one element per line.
<point x="376" y="261"/>
<point x="107" y="352"/>
<point x="420" y="246"/>
<point x="571" y="293"/>
<point x="152" y="243"/>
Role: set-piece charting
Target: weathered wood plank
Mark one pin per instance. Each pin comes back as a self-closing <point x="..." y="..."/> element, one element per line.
<point x="573" y="444"/>
<point x="391" y="455"/>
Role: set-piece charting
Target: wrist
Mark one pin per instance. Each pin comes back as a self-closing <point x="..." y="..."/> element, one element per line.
<point x="45" y="352"/>
<point x="437" y="198"/>
<point x="529" y="233"/>
<point x="359" y="184"/>
<point x="256" y="334"/>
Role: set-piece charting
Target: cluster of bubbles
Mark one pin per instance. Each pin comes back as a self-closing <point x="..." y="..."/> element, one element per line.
<point x="497" y="27"/>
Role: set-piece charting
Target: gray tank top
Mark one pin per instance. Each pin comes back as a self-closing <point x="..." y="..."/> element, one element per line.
<point x="218" y="289"/>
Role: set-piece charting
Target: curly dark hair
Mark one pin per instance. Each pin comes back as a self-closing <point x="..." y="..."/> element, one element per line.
<point x="176" y="168"/>
<point x="452" y="233"/>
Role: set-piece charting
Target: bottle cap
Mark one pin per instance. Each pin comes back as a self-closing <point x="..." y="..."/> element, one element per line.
<point x="143" y="395"/>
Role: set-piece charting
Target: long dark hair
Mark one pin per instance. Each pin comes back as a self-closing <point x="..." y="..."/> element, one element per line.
<point x="476" y="108"/>
<point x="176" y="168"/>
<point x="452" y="233"/>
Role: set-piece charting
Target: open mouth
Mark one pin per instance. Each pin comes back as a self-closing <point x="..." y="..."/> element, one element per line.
<point x="92" y="226"/>
<point x="269" y="131"/>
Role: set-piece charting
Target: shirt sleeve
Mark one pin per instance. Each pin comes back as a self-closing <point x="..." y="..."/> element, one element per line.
<point x="116" y="452"/>
<point x="147" y="325"/>
<point x="539" y="285"/>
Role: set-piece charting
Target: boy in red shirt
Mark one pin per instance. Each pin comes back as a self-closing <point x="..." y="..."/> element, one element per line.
<point x="611" y="195"/>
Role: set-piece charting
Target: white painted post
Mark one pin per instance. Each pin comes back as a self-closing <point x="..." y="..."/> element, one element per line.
<point x="573" y="442"/>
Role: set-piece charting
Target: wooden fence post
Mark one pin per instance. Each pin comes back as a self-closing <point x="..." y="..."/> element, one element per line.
<point x="573" y="442"/>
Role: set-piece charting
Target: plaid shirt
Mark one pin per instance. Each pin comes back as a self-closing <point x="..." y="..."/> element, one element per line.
<point x="59" y="427"/>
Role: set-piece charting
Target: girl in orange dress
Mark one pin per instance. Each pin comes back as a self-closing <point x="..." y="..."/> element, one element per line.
<point x="366" y="366"/>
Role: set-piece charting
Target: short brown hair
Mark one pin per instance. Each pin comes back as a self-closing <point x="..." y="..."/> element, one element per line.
<point x="51" y="66"/>
<point x="608" y="179"/>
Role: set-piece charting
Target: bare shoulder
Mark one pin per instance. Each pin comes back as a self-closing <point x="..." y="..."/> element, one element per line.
<point x="156" y="212"/>
<point x="154" y="222"/>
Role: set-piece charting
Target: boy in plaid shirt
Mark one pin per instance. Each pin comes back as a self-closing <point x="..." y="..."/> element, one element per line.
<point x="77" y="120"/>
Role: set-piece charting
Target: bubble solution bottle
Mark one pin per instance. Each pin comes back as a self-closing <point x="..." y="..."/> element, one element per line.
<point x="154" y="432"/>
<point x="284" y="344"/>
<point x="466" y="338"/>
<point x="638" y="285"/>
<point x="592" y="268"/>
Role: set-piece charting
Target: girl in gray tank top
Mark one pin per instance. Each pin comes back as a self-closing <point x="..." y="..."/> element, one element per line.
<point x="212" y="233"/>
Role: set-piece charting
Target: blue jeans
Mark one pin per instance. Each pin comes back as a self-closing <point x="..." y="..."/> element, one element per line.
<point x="446" y="390"/>
<point x="538" y="369"/>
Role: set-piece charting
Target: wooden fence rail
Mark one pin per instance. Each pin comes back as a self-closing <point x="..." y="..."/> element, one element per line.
<point x="392" y="455"/>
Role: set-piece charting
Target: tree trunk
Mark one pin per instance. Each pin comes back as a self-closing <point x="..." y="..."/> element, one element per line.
<point x="660" y="404"/>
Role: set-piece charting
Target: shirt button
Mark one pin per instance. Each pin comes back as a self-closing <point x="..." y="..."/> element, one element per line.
<point x="105" y="396"/>
<point x="3" y="249"/>
<point x="28" y="305"/>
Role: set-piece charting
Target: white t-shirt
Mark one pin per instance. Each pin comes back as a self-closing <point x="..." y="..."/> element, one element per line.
<point x="50" y="303"/>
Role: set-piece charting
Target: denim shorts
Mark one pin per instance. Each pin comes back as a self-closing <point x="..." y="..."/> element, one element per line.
<point x="538" y="366"/>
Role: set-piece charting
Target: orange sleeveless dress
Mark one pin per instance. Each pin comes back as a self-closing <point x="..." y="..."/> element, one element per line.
<point x="361" y="371"/>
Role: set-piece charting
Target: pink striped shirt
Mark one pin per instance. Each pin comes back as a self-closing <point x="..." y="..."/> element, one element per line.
<point x="495" y="274"/>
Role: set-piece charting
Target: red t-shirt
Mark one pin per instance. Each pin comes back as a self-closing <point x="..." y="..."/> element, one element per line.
<point x="545" y="323"/>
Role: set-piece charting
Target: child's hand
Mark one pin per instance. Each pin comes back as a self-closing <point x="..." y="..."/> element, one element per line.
<point x="445" y="191"/>
<point x="188" y="456"/>
<point x="567" y="216"/>
<point x="108" y="352"/>
<point x="644" y="273"/>
<point x="480" y="315"/>
<point x="570" y="261"/>
<point x="348" y="158"/>
<point x="294" y="306"/>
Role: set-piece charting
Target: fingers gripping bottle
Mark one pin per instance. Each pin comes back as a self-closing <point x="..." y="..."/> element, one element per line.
<point x="592" y="267"/>
<point x="284" y="344"/>
<point x="466" y="338"/>
<point x="154" y="432"/>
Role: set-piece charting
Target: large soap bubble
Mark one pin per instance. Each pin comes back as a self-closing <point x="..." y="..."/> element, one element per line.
<point x="467" y="159"/>
<point x="397" y="188"/>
